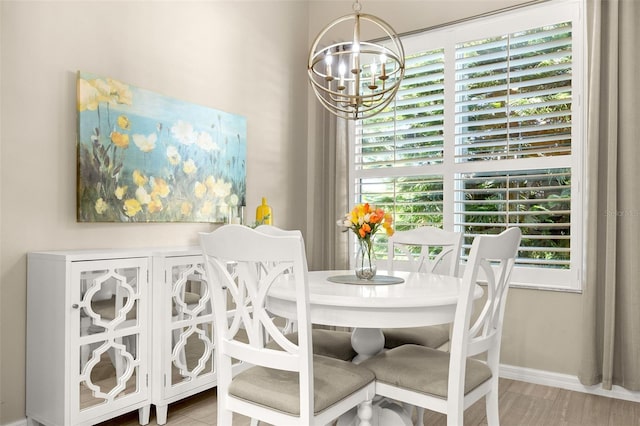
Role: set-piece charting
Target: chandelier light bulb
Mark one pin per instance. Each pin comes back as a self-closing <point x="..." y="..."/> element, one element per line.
<point x="328" y="59"/>
<point x="342" y="68"/>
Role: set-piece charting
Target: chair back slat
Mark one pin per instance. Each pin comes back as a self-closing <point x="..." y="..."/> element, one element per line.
<point x="427" y="249"/>
<point x="491" y="260"/>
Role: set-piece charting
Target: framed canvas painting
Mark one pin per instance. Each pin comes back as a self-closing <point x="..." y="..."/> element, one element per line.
<point x="145" y="157"/>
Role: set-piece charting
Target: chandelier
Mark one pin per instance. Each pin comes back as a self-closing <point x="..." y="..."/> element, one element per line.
<point x="356" y="79"/>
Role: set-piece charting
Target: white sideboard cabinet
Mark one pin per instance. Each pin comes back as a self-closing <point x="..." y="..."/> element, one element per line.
<point x="183" y="359"/>
<point x="88" y="336"/>
<point x="113" y="331"/>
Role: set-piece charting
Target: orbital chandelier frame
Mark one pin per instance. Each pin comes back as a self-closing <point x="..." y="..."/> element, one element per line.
<point x="356" y="79"/>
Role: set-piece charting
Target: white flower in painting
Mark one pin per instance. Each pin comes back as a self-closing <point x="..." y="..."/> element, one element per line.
<point x="221" y="188"/>
<point x="173" y="155"/>
<point x="142" y="195"/>
<point x="189" y="167"/>
<point x="233" y="200"/>
<point x="205" y="142"/>
<point x="145" y="143"/>
<point x="183" y="132"/>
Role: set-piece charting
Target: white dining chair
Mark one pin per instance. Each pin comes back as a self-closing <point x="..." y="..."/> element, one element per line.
<point x="284" y="386"/>
<point x="333" y="343"/>
<point x="423" y="249"/>
<point x="450" y="382"/>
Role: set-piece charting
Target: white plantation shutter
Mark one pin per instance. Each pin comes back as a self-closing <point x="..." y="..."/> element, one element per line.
<point x="514" y="101"/>
<point x="536" y="201"/>
<point x="411" y="132"/>
<point x="513" y="95"/>
<point x="485" y="134"/>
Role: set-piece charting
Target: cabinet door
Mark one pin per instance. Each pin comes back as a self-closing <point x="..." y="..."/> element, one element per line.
<point x="188" y="339"/>
<point x="109" y="335"/>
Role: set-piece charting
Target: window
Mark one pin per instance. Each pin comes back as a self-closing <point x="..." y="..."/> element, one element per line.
<point x="485" y="133"/>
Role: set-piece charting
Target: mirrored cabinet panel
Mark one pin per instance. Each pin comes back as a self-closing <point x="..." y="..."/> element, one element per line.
<point x="109" y="337"/>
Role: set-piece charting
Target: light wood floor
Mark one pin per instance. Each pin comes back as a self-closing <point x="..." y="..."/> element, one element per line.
<point x="520" y="404"/>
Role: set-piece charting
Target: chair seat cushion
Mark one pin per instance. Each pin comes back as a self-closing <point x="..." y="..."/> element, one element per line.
<point x="431" y="336"/>
<point x="423" y="370"/>
<point x="331" y="343"/>
<point x="334" y="380"/>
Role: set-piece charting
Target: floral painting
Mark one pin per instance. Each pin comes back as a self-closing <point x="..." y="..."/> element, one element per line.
<point x="145" y="157"/>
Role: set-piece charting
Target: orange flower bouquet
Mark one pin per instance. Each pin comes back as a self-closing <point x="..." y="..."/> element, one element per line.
<point x="365" y="220"/>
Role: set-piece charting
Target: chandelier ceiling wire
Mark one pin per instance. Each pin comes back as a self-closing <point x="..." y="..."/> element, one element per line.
<point x="356" y="79"/>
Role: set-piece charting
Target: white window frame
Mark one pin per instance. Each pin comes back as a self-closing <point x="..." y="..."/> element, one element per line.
<point x="508" y="22"/>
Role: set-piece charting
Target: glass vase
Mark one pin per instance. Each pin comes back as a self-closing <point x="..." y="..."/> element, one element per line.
<point x="365" y="260"/>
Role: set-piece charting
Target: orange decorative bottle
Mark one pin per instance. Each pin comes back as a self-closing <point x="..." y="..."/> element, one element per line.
<point x="263" y="213"/>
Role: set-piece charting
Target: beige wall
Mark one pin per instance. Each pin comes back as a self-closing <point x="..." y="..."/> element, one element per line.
<point x="244" y="57"/>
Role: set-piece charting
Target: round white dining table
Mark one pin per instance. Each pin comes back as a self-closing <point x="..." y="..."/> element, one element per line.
<point x="420" y="299"/>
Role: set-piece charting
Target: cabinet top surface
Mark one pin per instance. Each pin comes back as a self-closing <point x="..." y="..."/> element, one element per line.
<point x="113" y="253"/>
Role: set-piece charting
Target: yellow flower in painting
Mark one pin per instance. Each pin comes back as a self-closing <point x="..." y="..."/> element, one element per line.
<point x="123" y="122"/>
<point x="139" y="179"/>
<point x="121" y="140"/>
<point x="199" y="189"/>
<point x="119" y="92"/>
<point x="189" y="167"/>
<point x="145" y="143"/>
<point x="186" y="208"/>
<point x="120" y="192"/>
<point x="142" y="196"/>
<point x="173" y="155"/>
<point x="210" y="181"/>
<point x="132" y="207"/>
<point x="159" y="187"/>
<point x="155" y="205"/>
<point x="101" y="206"/>
<point x="206" y="209"/>
<point x="104" y="91"/>
<point x="88" y="95"/>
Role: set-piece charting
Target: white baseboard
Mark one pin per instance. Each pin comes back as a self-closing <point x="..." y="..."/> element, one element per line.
<point x="564" y="381"/>
<point x="539" y="377"/>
